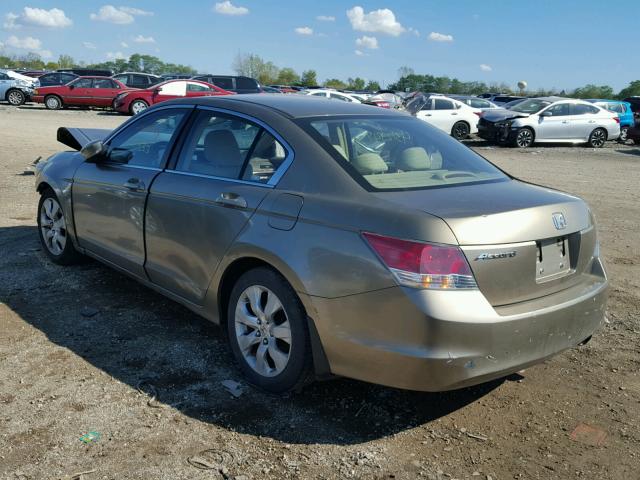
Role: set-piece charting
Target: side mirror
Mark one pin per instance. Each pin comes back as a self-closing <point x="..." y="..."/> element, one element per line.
<point x="71" y="87"/>
<point x="93" y="150"/>
<point x="546" y="113"/>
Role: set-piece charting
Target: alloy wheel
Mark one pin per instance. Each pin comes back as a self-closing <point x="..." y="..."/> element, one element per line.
<point x="137" y="107"/>
<point x="53" y="226"/>
<point x="524" y="138"/>
<point x="262" y="331"/>
<point x="52" y="103"/>
<point x="460" y="131"/>
<point x="15" y="98"/>
<point x="598" y="137"/>
<point x="624" y="131"/>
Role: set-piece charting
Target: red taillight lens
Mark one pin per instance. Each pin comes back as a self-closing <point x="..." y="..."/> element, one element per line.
<point x="423" y="265"/>
<point x="384" y="104"/>
<point x="478" y="113"/>
<point x="617" y="119"/>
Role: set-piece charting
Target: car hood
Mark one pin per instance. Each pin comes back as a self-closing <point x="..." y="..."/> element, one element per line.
<point x="500" y="114"/>
<point x="510" y="211"/>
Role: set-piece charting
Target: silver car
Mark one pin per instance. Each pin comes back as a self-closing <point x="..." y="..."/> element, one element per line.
<point x="330" y="238"/>
<point x="16" y="91"/>
<point x="550" y="120"/>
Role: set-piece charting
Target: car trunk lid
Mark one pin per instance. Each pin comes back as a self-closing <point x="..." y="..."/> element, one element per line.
<point x="522" y="241"/>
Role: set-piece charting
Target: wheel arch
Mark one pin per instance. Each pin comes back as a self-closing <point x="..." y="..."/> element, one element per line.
<point x="230" y="274"/>
<point x="53" y="95"/>
<point x="12" y="89"/>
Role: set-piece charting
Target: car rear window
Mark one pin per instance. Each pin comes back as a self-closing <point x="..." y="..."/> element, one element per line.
<point x="400" y="153"/>
<point x="244" y="83"/>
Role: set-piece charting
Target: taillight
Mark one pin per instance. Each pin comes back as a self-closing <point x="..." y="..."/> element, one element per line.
<point x="479" y="113"/>
<point x="617" y="119"/>
<point x="423" y="265"/>
<point x="384" y="104"/>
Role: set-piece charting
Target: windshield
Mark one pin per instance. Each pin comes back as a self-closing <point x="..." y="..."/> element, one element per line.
<point x="532" y="105"/>
<point x="387" y="153"/>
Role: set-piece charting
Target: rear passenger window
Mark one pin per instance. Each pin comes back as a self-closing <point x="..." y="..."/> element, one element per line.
<point x="224" y="146"/>
<point x="104" y="83"/>
<point x="246" y="84"/>
<point x="223" y="82"/>
<point x="581" y="109"/>
<point x="443" y="104"/>
<point x="559" y="110"/>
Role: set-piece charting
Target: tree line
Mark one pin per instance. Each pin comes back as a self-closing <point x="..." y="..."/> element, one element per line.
<point x="267" y="73"/>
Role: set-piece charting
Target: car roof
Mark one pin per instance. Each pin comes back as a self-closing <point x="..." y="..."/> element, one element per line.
<point x="137" y="73"/>
<point x="603" y="100"/>
<point x="292" y="106"/>
<point x="93" y="76"/>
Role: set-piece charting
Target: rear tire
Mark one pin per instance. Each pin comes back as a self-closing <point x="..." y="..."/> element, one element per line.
<point x="623" y="135"/>
<point x="138" y="106"/>
<point x="16" y="97"/>
<point x="460" y="130"/>
<point x="52" y="231"/>
<point x="524" y="138"/>
<point x="267" y="331"/>
<point x="53" y="102"/>
<point x="598" y="138"/>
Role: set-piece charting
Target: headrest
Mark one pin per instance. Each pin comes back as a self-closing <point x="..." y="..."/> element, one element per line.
<point x="221" y="148"/>
<point x="414" y="158"/>
<point x="369" y="163"/>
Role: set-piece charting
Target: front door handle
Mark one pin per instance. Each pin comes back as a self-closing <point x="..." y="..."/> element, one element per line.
<point x="231" y="199"/>
<point x="134" y="184"/>
<point x="454" y="113"/>
<point x="565" y="121"/>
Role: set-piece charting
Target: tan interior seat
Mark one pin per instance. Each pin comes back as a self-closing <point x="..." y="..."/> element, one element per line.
<point x="222" y="155"/>
<point x="417" y="158"/>
<point x="370" y="163"/>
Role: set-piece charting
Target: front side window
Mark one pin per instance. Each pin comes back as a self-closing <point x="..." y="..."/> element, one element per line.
<point x="560" y="110"/>
<point x="4" y="76"/>
<point x="145" y="142"/>
<point x="224" y="146"/>
<point x="66" y="78"/>
<point x="399" y="153"/>
<point x="244" y="83"/>
<point x="336" y="96"/>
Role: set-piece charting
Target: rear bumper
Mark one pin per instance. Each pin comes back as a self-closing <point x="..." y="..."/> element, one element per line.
<point x="443" y="340"/>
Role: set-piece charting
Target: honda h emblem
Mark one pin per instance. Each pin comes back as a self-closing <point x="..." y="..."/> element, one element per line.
<point x="559" y="221"/>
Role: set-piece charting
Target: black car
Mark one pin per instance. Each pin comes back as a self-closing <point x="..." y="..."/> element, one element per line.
<point x="87" y="72"/>
<point x="232" y="83"/>
<point x="55" y="78"/>
<point x="175" y="76"/>
<point x="138" y="80"/>
<point x="502" y="99"/>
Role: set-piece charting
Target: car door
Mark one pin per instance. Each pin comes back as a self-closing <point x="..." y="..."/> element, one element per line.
<point x="103" y="92"/>
<point x="554" y="123"/>
<point x="195" y="89"/>
<point x="109" y="196"/>
<point x="584" y="120"/>
<point x="77" y="92"/>
<point x="444" y="114"/>
<point x="201" y="202"/>
<point x="170" y="91"/>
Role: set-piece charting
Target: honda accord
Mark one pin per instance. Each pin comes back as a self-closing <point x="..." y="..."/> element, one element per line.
<point x="330" y="238"/>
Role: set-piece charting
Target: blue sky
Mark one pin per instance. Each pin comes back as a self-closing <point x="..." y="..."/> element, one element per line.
<point x="548" y="43"/>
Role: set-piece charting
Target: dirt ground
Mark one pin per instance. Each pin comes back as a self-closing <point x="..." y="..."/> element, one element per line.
<point x="84" y="349"/>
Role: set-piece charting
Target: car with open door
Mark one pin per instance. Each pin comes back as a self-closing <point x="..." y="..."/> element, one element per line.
<point x="330" y="238"/>
<point x="137" y="101"/>
<point x="81" y="92"/>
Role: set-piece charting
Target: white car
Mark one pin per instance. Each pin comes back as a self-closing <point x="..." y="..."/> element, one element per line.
<point x="550" y="120"/>
<point x="454" y="117"/>
<point x="334" y="95"/>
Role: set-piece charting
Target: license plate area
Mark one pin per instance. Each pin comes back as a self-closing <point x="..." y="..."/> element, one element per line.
<point x="553" y="260"/>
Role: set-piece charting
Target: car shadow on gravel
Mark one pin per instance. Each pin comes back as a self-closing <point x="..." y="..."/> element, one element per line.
<point x="160" y="348"/>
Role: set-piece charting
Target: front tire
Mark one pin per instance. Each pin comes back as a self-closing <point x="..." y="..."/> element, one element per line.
<point x="460" y="130"/>
<point x="16" y="97"/>
<point x="53" y="102"/>
<point x="138" y="106"/>
<point x="524" y="138"/>
<point x="598" y="138"/>
<point x="52" y="231"/>
<point x="267" y="330"/>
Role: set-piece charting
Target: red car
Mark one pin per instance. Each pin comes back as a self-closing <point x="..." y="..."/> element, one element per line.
<point x="83" y="91"/>
<point x="134" y="102"/>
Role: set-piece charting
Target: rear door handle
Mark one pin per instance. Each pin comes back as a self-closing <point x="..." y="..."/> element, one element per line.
<point x="134" y="184"/>
<point x="231" y="199"/>
<point x="565" y="121"/>
<point x="454" y="113"/>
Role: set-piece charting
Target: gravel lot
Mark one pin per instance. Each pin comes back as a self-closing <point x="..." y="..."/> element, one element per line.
<point x="84" y="349"/>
